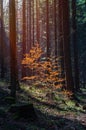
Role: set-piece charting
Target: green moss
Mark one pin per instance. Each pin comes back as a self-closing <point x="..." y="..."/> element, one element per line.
<point x="70" y="104"/>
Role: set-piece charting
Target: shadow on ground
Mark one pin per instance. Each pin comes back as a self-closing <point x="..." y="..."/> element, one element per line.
<point x="44" y="121"/>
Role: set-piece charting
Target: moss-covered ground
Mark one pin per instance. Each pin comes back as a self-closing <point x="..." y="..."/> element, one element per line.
<point x="55" y="111"/>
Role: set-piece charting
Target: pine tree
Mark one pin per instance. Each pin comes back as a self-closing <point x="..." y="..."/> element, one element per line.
<point x="13" y="49"/>
<point x="66" y="46"/>
<point x="2" y="41"/>
<point x="75" y="48"/>
<point x="24" y="35"/>
<point x="47" y="28"/>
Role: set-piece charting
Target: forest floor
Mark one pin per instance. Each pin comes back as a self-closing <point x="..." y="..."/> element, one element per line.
<point x="53" y="109"/>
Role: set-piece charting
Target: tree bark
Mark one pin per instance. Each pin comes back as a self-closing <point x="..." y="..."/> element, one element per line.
<point x="66" y="46"/>
<point x="13" y="61"/>
<point x="47" y="28"/>
<point x="24" y="36"/>
<point x="2" y="41"/>
<point x="75" y="48"/>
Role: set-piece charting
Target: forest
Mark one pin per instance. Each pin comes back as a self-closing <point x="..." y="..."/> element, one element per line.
<point x="42" y="64"/>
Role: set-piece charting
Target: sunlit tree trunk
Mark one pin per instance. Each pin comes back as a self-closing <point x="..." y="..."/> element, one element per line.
<point x="37" y="21"/>
<point x="30" y="27"/>
<point x="24" y="36"/>
<point x="27" y="29"/>
<point x="47" y="28"/>
<point x="13" y="62"/>
<point x="33" y="22"/>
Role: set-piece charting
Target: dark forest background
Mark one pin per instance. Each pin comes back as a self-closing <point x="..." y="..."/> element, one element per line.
<point x="43" y="49"/>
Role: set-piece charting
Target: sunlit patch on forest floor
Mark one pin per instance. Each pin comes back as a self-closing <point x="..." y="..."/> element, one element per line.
<point x="54" y="110"/>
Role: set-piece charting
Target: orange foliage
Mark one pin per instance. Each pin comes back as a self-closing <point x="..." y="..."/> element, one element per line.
<point x="44" y="70"/>
<point x="69" y="94"/>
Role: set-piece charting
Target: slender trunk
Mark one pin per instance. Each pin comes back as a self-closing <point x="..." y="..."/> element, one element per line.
<point x="37" y="21"/>
<point x="66" y="47"/>
<point x="13" y="61"/>
<point x="30" y="27"/>
<point x="47" y="28"/>
<point x="24" y="37"/>
<point x="2" y="42"/>
<point x="60" y="38"/>
<point x="75" y="48"/>
<point x="33" y="22"/>
<point x="27" y="26"/>
<point x="55" y="27"/>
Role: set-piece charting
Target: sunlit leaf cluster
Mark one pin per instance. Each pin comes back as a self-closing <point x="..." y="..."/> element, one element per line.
<point x="43" y="70"/>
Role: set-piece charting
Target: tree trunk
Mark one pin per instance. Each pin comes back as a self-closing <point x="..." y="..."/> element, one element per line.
<point x="66" y="46"/>
<point x="37" y="21"/>
<point x="60" y="39"/>
<point x="47" y="28"/>
<point x="2" y="41"/>
<point x="55" y="27"/>
<point x="75" y="48"/>
<point x="24" y="37"/>
<point x="13" y="61"/>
